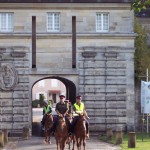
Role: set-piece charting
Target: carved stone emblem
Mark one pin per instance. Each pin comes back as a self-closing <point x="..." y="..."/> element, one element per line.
<point x="8" y="76"/>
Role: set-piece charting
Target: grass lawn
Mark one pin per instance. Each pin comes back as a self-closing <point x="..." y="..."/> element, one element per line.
<point x="140" y="145"/>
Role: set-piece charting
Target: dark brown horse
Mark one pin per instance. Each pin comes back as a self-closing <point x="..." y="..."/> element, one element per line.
<point x="80" y="132"/>
<point x="61" y="133"/>
<point x="48" y="125"/>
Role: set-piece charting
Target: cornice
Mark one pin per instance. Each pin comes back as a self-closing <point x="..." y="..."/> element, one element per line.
<point x="69" y="35"/>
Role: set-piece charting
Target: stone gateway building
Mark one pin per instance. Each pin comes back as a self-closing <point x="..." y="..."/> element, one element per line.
<point x="86" y="44"/>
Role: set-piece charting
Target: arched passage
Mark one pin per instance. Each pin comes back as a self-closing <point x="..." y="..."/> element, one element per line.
<point x="70" y="87"/>
<point x="70" y="95"/>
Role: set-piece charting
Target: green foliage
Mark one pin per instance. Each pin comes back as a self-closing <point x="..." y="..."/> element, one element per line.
<point x="138" y="5"/>
<point x="41" y="100"/>
<point x="142" y="52"/>
<point x="140" y="144"/>
<point x="35" y="103"/>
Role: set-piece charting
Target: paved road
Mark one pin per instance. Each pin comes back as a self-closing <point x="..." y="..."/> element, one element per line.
<point x="36" y="143"/>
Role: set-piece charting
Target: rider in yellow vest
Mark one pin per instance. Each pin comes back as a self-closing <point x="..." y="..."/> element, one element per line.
<point x="46" y="109"/>
<point x="79" y="108"/>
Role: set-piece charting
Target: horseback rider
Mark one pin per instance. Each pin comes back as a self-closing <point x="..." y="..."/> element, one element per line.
<point x="78" y="109"/>
<point x="46" y="110"/>
<point x="61" y="110"/>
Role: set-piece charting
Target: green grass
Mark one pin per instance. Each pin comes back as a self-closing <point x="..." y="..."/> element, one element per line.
<point x="140" y="144"/>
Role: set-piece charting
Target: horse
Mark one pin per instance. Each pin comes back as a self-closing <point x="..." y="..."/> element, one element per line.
<point x="47" y="126"/>
<point x="61" y="133"/>
<point x="80" y="132"/>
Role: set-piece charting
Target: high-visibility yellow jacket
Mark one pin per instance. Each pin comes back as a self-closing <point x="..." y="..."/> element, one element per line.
<point x="47" y="109"/>
<point x="79" y="109"/>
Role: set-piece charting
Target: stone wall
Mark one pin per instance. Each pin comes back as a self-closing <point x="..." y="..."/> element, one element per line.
<point x="14" y="94"/>
<point x="103" y="73"/>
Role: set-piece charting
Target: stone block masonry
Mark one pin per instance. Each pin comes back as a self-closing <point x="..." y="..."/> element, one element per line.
<point x="103" y="82"/>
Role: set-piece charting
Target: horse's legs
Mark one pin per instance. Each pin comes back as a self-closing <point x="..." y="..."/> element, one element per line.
<point x="84" y="143"/>
<point x="57" y="143"/>
<point x="78" y="146"/>
<point x="73" y="143"/>
<point x="49" y="137"/>
<point x="80" y="143"/>
<point x="45" y="136"/>
<point x="63" y="145"/>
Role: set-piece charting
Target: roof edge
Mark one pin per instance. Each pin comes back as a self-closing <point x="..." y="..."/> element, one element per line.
<point x="65" y="1"/>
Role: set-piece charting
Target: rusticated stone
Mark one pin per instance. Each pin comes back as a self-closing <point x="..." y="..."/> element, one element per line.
<point x="18" y="54"/>
<point x="25" y="134"/>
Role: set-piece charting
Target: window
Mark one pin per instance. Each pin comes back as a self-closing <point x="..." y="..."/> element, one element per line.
<point x="54" y="97"/>
<point x="53" y="22"/>
<point x="6" y="22"/>
<point x="102" y="22"/>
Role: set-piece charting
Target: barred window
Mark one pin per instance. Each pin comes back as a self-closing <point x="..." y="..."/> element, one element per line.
<point x="53" y="22"/>
<point x="102" y="22"/>
<point x="6" y="22"/>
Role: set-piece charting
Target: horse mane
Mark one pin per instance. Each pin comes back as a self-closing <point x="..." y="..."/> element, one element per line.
<point x="48" y="121"/>
<point x="80" y="132"/>
<point x="48" y="125"/>
<point x="62" y="125"/>
<point x="80" y="127"/>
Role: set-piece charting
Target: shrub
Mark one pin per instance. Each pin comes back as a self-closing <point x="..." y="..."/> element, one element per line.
<point x="35" y="103"/>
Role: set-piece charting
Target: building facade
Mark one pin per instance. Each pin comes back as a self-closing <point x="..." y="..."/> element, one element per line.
<point x="87" y="45"/>
<point x="50" y="88"/>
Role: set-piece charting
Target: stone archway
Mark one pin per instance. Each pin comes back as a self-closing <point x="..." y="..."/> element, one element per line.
<point x="70" y="88"/>
<point x="70" y="95"/>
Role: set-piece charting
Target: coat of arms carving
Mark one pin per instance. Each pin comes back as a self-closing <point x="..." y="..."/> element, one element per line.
<point x="8" y="76"/>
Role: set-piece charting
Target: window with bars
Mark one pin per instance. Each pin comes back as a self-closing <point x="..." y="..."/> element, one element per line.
<point x="6" y="22"/>
<point x="53" y="22"/>
<point x="102" y="22"/>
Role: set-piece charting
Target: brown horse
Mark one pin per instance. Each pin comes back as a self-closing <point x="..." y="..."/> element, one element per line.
<point x="80" y="132"/>
<point x="61" y="133"/>
<point x="48" y="125"/>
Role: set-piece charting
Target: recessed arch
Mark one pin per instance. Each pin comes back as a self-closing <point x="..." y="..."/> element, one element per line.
<point x="70" y="95"/>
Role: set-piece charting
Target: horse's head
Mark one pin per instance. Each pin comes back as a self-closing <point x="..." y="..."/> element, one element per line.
<point x="61" y="119"/>
<point x="49" y="120"/>
<point x="82" y="117"/>
<point x="61" y="122"/>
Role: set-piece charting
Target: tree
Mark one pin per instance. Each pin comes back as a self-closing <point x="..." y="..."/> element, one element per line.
<point x="138" y="5"/>
<point x="142" y="52"/>
<point x="41" y="100"/>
